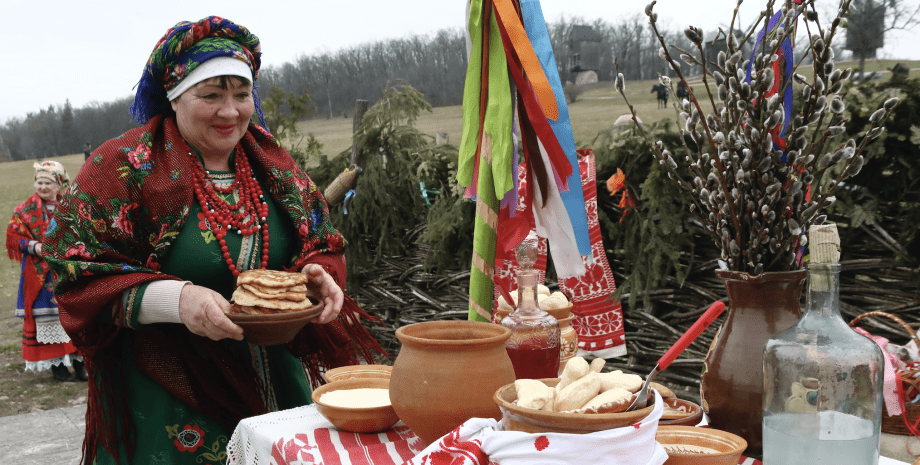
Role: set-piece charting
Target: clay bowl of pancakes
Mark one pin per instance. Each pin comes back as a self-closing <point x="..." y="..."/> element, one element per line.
<point x="272" y="306"/>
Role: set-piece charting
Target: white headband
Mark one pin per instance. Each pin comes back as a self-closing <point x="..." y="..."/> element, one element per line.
<point x="220" y="66"/>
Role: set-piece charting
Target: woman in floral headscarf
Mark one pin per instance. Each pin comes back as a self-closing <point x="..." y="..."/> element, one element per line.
<point x="45" y="345"/>
<point x="148" y="241"/>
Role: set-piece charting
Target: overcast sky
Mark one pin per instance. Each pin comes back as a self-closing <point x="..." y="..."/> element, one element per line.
<point x="95" y="51"/>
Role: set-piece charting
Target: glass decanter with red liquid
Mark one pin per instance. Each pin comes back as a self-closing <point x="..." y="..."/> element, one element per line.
<point x="534" y="344"/>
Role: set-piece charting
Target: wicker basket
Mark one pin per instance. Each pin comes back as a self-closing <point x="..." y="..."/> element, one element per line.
<point x="896" y="424"/>
<point x="340" y="186"/>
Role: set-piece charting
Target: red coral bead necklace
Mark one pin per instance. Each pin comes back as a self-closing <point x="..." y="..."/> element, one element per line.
<point x="247" y="216"/>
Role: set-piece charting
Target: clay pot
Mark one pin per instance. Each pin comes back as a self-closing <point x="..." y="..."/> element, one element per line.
<point x="446" y="373"/>
<point x="567" y="335"/>
<point x="731" y="385"/>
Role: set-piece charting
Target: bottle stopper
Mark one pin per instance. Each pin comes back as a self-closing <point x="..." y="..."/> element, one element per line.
<point x="824" y="243"/>
<point x="824" y="249"/>
<point x="526" y="252"/>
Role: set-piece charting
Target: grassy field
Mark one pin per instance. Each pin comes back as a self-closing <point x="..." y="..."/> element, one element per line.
<point x="20" y="392"/>
<point x="593" y="112"/>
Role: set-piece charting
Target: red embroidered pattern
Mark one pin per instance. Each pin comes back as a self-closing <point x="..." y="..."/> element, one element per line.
<point x="190" y="439"/>
<point x="293" y="450"/>
<point x="456" y="452"/>
<point x="598" y="322"/>
<point x="541" y="443"/>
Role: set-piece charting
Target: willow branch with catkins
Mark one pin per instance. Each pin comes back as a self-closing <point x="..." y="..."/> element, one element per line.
<point x="753" y="199"/>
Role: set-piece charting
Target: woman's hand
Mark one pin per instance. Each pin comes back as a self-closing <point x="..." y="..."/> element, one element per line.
<point x="203" y="312"/>
<point x="329" y="291"/>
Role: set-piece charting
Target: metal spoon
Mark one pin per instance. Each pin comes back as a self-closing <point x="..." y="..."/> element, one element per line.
<point x="678" y="348"/>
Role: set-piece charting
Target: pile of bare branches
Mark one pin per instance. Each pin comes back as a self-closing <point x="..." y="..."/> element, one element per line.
<point x="401" y="292"/>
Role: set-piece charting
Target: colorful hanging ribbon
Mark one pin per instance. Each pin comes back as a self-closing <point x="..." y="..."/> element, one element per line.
<point x="502" y="43"/>
<point x="528" y="58"/>
<point x="552" y="215"/>
<point x="348" y="196"/>
<point x="472" y="96"/>
<point x="573" y="197"/>
<point x="426" y="193"/>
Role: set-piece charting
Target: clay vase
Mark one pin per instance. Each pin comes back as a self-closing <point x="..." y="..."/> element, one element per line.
<point x="446" y="373"/>
<point x="567" y="335"/>
<point x="731" y="385"/>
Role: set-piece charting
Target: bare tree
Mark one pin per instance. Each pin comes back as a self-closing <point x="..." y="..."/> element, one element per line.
<point x="871" y="19"/>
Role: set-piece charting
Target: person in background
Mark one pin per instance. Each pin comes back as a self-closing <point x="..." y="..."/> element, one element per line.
<point x="149" y="240"/>
<point x="45" y="344"/>
<point x="87" y="151"/>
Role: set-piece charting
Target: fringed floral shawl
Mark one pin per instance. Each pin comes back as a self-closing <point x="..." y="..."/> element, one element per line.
<point x="109" y="233"/>
<point x="28" y="224"/>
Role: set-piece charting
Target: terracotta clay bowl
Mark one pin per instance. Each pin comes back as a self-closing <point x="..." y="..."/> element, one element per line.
<point x="359" y="419"/>
<point x="516" y="418"/>
<point x="359" y="371"/>
<point x="274" y="328"/>
<point x="689" y="445"/>
<point x="681" y="412"/>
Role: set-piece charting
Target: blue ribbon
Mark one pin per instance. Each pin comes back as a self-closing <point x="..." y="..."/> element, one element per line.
<point x="426" y="193"/>
<point x="786" y="49"/>
<point x="348" y="196"/>
<point x="574" y="198"/>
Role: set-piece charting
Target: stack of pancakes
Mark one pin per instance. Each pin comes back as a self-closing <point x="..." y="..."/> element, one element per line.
<point x="260" y="292"/>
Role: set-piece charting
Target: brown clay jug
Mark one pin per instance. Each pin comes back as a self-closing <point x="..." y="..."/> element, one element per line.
<point x="446" y="373"/>
<point x="731" y="386"/>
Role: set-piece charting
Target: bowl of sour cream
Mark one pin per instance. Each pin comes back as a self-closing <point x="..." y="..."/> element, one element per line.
<point x="357" y="405"/>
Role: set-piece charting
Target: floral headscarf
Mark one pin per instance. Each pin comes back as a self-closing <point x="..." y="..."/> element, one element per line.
<point x="52" y="170"/>
<point x="183" y="48"/>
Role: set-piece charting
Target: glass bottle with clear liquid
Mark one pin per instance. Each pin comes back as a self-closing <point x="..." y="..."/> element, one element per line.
<point x="822" y="385"/>
<point x="534" y="345"/>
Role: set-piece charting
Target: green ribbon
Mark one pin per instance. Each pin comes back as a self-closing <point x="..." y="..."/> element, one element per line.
<point x="494" y="161"/>
<point x="469" y="135"/>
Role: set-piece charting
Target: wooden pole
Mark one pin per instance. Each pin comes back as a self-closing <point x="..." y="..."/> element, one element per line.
<point x="360" y="109"/>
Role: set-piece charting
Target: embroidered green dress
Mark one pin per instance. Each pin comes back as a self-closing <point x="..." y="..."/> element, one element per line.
<point x="169" y="431"/>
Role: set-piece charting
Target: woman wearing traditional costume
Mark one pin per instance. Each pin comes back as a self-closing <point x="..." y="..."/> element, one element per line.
<point x="148" y="241"/>
<point x="45" y="344"/>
